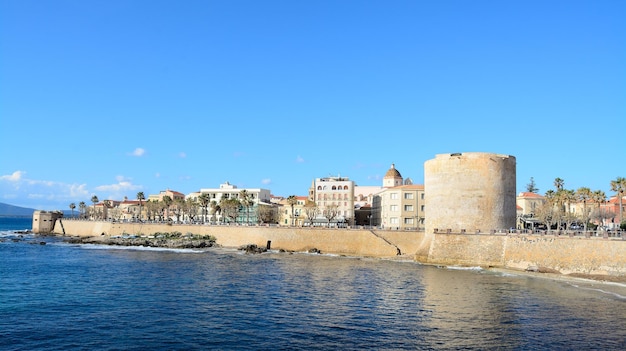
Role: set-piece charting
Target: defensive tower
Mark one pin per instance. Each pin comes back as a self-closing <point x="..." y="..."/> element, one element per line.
<point x="470" y="191"/>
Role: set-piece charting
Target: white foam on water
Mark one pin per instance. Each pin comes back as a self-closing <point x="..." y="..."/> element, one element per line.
<point x="603" y="291"/>
<point x="137" y="248"/>
<point x="461" y="268"/>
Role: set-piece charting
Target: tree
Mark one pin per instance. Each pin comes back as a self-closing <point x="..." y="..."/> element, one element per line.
<point x="82" y="208"/>
<point x="204" y="199"/>
<point x="230" y="208"/>
<point x="619" y="187"/>
<point x="95" y="200"/>
<point x="558" y="183"/>
<point x="215" y="208"/>
<point x="584" y="195"/>
<point x="267" y="214"/>
<point x="531" y="187"/>
<point x="330" y="212"/>
<point x="546" y="213"/>
<point x="140" y="197"/>
<point x="246" y="201"/>
<point x="599" y="197"/>
<point x="167" y="202"/>
<point x="192" y="208"/>
<point x="311" y="210"/>
<point x="72" y="207"/>
<point x="292" y="200"/>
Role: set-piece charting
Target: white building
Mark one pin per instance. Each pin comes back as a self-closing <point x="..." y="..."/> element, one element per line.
<point x="333" y="195"/>
<point x="230" y="191"/>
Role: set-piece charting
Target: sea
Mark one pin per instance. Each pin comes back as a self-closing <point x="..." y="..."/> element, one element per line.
<point x="60" y="296"/>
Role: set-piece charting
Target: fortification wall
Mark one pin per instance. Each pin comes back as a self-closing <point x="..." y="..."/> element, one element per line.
<point x="567" y="255"/>
<point x="360" y="242"/>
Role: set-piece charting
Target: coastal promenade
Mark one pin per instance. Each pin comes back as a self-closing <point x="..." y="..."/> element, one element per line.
<point x="569" y="254"/>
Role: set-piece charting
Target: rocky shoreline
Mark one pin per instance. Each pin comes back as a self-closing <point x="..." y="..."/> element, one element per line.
<point x="170" y="243"/>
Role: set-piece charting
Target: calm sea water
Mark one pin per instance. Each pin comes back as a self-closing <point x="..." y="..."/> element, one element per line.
<point x="69" y="297"/>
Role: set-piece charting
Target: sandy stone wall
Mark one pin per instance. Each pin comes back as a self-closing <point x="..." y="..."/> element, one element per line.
<point x="565" y="254"/>
<point x="348" y="242"/>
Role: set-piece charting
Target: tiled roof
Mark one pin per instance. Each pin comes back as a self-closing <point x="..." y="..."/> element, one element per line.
<point x="393" y="172"/>
<point x="529" y="194"/>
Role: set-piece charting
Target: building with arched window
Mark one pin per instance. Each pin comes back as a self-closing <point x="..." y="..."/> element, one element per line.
<point x="334" y="197"/>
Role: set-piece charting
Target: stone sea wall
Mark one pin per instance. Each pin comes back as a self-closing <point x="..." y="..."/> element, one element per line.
<point x="358" y="242"/>
<point x="567" y="255"/>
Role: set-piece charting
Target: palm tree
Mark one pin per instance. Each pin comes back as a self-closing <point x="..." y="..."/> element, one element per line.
<point x="619" y="186"/>
<point x="292" y="200"/>
<point x="167" y="201"/>
<point x="95" y="200"/>
<point x="140" y="197"/>
<point x="82" y="207"/>
<point x="583" y="195"/>
<point x="246" y="201"/>
<point x="599" y="197"/>
<point x="215" y="208"/>
<point x="558" y="183"/>
<point x="204" y="199"/>
<point x="72" y="207"/>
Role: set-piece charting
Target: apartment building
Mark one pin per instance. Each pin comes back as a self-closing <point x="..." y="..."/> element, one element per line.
<point x="399" y="205"/>
<point x="230" y="191"/>
<point x="334" y="197"/>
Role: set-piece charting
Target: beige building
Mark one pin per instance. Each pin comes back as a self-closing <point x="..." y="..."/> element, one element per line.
<point x="398" y="205"/>
<point x="527" y="206"/>
<point x="333" y="195"/>
<point x="174" y="195"/>
<point x="299" y="216"/>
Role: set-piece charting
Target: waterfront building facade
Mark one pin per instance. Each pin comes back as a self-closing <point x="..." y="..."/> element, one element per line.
<point x="227" y="191"/>
<point x="334" y="197"/>
<point x="297" y="217"/>
<point x="398" y="205"/>
<point x="528" y="204"/>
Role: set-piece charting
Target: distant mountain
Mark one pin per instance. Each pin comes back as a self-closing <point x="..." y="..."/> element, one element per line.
<point x="7" y="210"/>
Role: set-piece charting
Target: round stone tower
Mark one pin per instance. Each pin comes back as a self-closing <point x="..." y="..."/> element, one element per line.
<point x="470" y="191"/>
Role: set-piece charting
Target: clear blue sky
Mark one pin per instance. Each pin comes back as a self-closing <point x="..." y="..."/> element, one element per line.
<point x="114" y="97"/>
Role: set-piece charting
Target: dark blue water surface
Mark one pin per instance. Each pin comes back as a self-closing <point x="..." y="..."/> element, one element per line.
<point x="60" y="296"/>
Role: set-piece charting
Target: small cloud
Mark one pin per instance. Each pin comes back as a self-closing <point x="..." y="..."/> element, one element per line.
<point x="238" y="154"/>
<point x="119" y="189"/>
<point x="14" y="177"/>
<point x="157" y="175"/>
<point x="299" y="159"/>
<point x="138" y="152"/>
<point x="266" y="181"/>
<point x="182" y="155"/>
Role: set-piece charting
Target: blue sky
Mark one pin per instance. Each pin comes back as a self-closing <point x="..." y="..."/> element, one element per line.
<point x="111" y="98"/>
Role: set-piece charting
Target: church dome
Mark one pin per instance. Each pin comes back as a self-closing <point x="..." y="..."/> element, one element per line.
<point x="393" y="172"/>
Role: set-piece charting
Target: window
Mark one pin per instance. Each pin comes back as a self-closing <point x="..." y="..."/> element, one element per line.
<point x="422" y="196"/>
<point x="393" y="196"/>
<point x="408" y="196"/>
<point x="408" y="208"/>
<point x="393" y="208"/>
<point x="422" y="208"/>
<point x="408" y="221"/>
<point x="393" y="220"/>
